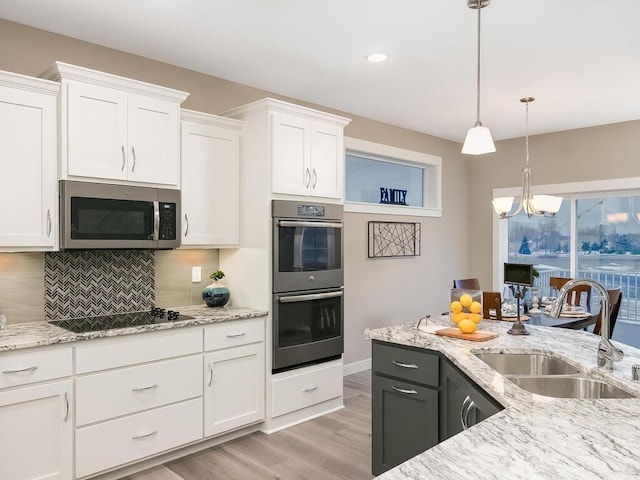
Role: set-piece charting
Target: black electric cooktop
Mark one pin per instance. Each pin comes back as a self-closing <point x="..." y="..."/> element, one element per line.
<point x="120" y="320"/>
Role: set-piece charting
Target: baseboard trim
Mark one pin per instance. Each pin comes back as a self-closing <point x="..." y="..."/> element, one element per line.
<point x="356" y="367"/>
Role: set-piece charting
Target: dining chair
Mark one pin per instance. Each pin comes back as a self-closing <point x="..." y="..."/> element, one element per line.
<point x="575" y="294"/>
<point x="470" y="283"/>
<point x="491" y="300"/>
<point x="615" y="299"/>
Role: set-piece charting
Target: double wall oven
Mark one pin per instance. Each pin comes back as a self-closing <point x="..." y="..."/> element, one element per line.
<point x="308" y="282"/>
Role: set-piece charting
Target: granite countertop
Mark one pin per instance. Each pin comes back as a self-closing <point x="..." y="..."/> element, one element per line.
<point x="39" y="334"/>
<point x="534" y="437"/>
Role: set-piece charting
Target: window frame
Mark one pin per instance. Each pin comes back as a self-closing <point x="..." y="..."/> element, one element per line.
<point x="431" y="183"/>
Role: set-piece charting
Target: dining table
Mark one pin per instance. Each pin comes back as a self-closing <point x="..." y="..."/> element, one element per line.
<point x="573" y="322"/>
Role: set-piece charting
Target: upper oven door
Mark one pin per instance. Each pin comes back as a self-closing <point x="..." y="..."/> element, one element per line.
<point x="307" y="255"/>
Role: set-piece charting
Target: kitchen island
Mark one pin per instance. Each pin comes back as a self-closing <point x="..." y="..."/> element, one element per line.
<point x="534" y="437"/>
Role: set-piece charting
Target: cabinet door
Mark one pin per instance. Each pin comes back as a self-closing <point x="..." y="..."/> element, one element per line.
<point x="210" y="185"/>
<point x="234" y="388"/>
<point x="28" y="166"/>
<point x="464" y="404"/>
<point x="97" y="132"/>
<point x="154" y="133"/>
<point x="36" y="439"/>
<point x="290" y="155"/>
<point x="404" y="421"/>
<point x="327" y="161"/>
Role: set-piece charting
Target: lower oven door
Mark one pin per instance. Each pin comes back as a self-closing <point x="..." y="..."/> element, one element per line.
<point x="307" y="327"/>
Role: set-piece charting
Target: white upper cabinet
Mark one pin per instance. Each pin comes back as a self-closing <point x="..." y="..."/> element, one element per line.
<point x="306" y="147"/>
<point x="28" y="189"/>
<point x="114" y="128"/>
<point x="210" y="180"/>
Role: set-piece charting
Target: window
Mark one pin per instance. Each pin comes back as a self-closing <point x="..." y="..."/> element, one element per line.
<point x="384" y="179"/>
<point x="596" y="234"/>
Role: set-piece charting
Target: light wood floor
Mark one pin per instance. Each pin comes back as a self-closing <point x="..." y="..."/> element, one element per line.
<point x="335" y="446"/>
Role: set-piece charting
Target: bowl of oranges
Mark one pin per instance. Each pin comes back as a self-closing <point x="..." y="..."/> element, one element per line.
<point x="466" y="309"/>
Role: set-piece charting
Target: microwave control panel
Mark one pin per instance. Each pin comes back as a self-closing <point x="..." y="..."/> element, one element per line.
<point x="167" y="221"/>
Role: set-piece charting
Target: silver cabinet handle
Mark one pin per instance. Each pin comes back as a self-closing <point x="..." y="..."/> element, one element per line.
<point x="402" y="390"/>
<point x="28" y="369"/>
<point x="308" y="175"/>
<point x="48" y="222"/>
<point x="210" y="375"/>
<point x="186" y="221"/>
<point x="234" y="335"/>
<point x="404" y="365"/>
<point x="133" y="153"/>
<point x="315" y="178"/>
<point x="142" y="389"/>
<point x="124" y="160"/>
<point x="310" y="389"/>
<point x="138" y="437"/>
<point x="66" y="401"/>
<point x="467" y="405"/>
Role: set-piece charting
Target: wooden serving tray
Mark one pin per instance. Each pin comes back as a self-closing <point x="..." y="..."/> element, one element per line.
<point x="477" y="336"/>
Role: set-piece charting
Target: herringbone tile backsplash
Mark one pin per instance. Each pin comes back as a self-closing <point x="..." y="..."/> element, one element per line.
<point x="98" y="282"/>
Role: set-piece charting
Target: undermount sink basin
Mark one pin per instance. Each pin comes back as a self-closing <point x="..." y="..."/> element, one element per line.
<point x="527" y="364"/>
<point x="570" y="387"/>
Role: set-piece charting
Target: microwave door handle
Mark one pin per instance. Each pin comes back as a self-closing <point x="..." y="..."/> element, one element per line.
<point x="296" y="223"/>
<point x="309" y="297"/>
<point x="156" y="220"/>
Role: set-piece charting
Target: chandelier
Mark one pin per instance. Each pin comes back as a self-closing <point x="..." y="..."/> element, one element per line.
<point x="538" y="205"/>
<point x="478" y="139"/>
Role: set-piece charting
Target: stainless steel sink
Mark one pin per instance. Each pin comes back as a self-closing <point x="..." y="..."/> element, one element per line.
<point x="527" y="364"/>
<point x="570" y="387"/>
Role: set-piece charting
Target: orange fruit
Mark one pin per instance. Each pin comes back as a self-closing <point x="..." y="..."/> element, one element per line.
<point x="467" y="326"/>
<point x="456" y="306"/>
<point x="466" y="299"/>
<point x="475" y="307"/>
<point x="456" y="317"/>
<point x="475" y="317"/>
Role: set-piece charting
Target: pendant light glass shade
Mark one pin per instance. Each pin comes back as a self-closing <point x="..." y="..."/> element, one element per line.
<point x="478" y="140"/>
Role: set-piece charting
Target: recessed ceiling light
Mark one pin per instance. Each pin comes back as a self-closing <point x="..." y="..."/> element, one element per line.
<point x="377" y="57"/>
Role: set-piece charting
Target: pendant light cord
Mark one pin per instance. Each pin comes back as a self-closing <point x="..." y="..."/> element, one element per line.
<point x="478" y="65"/>
<point x="526" y="131"/>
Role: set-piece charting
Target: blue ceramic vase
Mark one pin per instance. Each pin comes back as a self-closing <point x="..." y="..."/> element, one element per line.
<point x="215" y="295"/>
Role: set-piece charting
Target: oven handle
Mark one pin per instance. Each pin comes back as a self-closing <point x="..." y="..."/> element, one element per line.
<point x="296" y="223"/>
<point x="309" y="297"/>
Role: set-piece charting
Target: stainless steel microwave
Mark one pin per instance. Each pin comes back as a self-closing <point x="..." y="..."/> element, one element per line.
<point x="104" y="216"/>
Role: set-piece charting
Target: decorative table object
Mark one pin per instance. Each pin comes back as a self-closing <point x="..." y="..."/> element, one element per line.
<point x="216" y="294"/>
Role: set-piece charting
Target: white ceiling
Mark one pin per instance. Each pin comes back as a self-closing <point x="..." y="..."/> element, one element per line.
<point x="579" y="58"/>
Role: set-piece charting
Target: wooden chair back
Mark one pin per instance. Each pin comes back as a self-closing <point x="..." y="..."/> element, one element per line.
<point x="491" y="300"/>
<point x="469" y="283"/>
<point x="615" y="299"/>
<point x="574" y="296"/>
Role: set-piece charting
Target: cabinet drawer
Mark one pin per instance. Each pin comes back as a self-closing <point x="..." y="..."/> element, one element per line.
<point x="107" y="445"/>
<point x="25" y="368"/>
<point x="106" y="395"/>
<point x="141" y="348"/>
<point x="305" y="387"/>
<point x="408" y="364"/>
<point x="232" y="334"/>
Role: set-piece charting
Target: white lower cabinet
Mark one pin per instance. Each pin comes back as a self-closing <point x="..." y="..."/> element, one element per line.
<point x="123" y="440"/>
<point x="234" y="391"/>
<point x="36" y="432"/>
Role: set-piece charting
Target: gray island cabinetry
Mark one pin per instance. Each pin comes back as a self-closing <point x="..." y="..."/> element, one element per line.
<point x="419" y="399"/>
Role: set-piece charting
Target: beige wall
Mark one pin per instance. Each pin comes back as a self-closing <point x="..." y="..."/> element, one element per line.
<point x="381" y="291"/>
<point x="588" y="154"/>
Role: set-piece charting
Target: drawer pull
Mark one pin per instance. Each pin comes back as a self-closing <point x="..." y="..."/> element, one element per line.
<point x="66" y="412"/>
<point x="142" y="389"/>
<point x="402" y="390"/>
<point x="405" y="365"/>
<point x="22" y="370"/>
<point x="234" y="335"/>
<point x="146" y="435"/>
<point x="310" y="389"/>
<point x="210" y="367"/>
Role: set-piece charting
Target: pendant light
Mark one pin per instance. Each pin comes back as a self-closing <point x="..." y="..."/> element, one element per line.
<point x="538" y="205"/>
<point x="478" y="140"/>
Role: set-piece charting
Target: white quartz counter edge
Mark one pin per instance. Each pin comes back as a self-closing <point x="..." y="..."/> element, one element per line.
<point x="534" y="437"/>
<point x="38" y="334"/>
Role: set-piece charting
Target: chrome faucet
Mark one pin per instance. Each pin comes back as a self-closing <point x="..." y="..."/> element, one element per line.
<point x="607" y="352"/>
